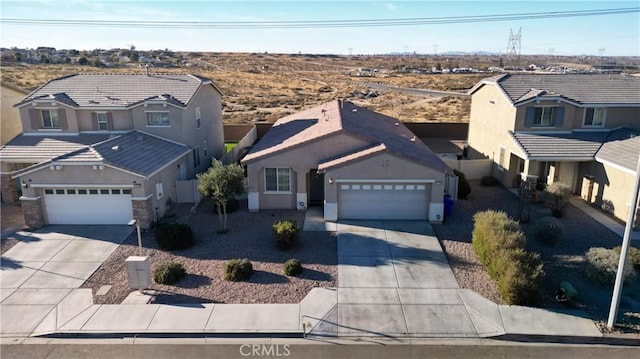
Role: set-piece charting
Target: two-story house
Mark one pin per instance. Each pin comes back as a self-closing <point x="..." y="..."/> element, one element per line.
<point x="107" y="148"/>
<point x="581" y="130"/>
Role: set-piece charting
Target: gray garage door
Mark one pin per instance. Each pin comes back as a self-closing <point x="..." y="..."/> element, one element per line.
<point x="383" y="201"/>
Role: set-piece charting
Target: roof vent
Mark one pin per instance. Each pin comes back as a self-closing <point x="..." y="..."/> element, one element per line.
<point x="354" y="110"/>
<point x="413" y="139"/>
<point x="397" y="124"/>
<point x="116" y="148"/>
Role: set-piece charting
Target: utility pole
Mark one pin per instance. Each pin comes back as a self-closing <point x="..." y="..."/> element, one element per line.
<point x="626" y="239"/>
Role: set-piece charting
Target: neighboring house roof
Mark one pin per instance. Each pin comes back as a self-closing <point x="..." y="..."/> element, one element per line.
<point x="584" y="89"/>
<point x="569" y="146"/>
<point x="345" y="117"/>
<point x="620" y="146"/>
<point x="14" y="88"/>
<point x="135" y="151"/>
<point x="119" y="90"/>
<point x="38" y="148"/>
<point x="621" y="149"/>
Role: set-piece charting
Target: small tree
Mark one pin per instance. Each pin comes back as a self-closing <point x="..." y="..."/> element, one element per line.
<point x="222" y="184"/>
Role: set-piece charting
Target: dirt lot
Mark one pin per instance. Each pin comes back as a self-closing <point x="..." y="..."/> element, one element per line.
<point x="265" y="87"/>
<point x="564" y="262"/>
<point x="249" y="237"/>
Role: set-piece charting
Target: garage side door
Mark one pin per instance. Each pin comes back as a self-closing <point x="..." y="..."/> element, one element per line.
<point x="88" y="206"/>
<point x="383" y="201"/>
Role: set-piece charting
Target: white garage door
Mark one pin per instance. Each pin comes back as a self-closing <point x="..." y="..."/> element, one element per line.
<point x="88" y="206"/>
<point x="383" y="201"/>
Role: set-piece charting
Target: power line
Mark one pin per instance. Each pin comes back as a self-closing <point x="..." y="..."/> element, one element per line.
<point x="319" y="23"/>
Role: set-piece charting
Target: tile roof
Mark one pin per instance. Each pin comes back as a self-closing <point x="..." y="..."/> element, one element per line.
<point x="134" y="151"/>
<point x="119" y="90"/>
<point x="566" y="146"/>
<point x="38" y="148"/>
<point x="344" y="117"/>
<point x="583" y="89"/>
<point x="346" y="158"/>
<point x="622" y="148"/>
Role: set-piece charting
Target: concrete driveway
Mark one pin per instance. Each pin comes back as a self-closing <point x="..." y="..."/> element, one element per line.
<point x="395" y="281"/>
<point x="40" y="276"/>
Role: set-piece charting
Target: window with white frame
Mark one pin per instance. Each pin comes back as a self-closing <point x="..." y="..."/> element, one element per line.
<point x="50" y="118"/>
<point x="544" y="116"/>
<point x="594" y="117"/>
<point x="158" y="118"/>
<point x="198" y="118"/>
<point x="102" y="121"/>
<point x="159" y="190"/>
<point x="501" y="158"/>
<point x="277" y="179"/>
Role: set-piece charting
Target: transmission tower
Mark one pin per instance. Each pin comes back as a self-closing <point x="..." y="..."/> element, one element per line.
<point x="513" y="48"/>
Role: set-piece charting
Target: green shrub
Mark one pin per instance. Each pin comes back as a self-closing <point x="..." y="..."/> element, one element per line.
<point x="237" y="270"/>
<point x="174" y="236"/>
<point x="549" y="230"/>
<point x="520" y="276"/>
<point x="633" y="256"/>
<point x="464" y="188"/>
<point x="169" y="273"/>
<point x="292" y="267"/>
<point x="602" y="266"/>
<point x="489" y="181"/>
<point x="499" y="243"/>
<point x="493" y="230"/>
<point x="557" y="198"/>
<point x="286" y="233"/>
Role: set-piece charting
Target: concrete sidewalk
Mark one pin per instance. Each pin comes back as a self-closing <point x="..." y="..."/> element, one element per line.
<point x="602" y="218"/>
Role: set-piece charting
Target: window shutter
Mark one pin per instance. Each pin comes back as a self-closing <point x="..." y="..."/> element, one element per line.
<point x="109" y="121"/>
<point x="558" y="121"/>
<point x="62" y="119"/>
<point x="34" y="117"/>
<point x="529" y="117"/>
<point x="94" y="121"/>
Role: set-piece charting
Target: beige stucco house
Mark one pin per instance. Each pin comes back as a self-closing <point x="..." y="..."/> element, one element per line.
<point x="581" y="130"/>
<point x="104" y="149"/>
<point x="10" y="123"/>
<point x="356" y="163"/>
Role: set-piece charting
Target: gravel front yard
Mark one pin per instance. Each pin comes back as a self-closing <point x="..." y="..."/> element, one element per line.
<point x="250" y="236"/>
<point x="563" y="262"/>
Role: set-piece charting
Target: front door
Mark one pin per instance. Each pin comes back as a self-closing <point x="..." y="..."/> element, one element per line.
<point x="316" y="188"/>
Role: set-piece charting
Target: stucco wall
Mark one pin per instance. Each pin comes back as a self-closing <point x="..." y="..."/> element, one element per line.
<point x="616" y="186"/>
<point x="10" y="116"/>
<point x="491" y="117"/>
<point x="300" y="160"/>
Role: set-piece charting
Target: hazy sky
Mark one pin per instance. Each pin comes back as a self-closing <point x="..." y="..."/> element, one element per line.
<point x="616" y="34"/>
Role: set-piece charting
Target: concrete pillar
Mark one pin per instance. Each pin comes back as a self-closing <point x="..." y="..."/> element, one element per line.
<point x="32" y="210"/>
<point x="143" y="211"/>
<point x="8" y="188"/>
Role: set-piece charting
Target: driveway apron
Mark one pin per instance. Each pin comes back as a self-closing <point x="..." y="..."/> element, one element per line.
<point x="40" y="276"/>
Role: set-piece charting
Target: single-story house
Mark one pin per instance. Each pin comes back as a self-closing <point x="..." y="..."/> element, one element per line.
<point x="356" y="163"/>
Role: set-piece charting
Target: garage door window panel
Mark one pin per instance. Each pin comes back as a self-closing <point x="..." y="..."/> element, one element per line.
<point x="277" y="180"/>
